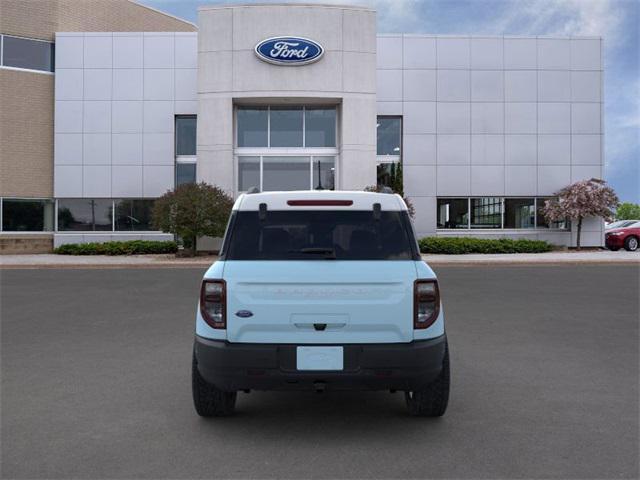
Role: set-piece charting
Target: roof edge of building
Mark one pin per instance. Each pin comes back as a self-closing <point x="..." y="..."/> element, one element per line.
<point x="286" y="4"/>
<point x="137" y="2"/>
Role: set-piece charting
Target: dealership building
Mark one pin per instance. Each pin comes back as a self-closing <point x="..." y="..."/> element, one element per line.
<point x="107" y="105"/>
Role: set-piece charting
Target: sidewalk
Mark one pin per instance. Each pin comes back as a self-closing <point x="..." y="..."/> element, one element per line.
<point x="161" y="261"/>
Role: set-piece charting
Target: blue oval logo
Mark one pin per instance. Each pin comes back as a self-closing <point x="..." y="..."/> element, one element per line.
<point x="289" y="51"/>
<point x="244" y="313"/>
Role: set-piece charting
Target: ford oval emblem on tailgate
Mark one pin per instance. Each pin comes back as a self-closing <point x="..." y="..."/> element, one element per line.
<point x="244" y="314"/>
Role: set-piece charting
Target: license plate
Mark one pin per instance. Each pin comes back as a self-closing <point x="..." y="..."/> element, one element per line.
<point x="320" y="358"/>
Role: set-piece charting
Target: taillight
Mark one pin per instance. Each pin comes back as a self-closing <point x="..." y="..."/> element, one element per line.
<point x="426" y="303"/>
<point x="213" y="303"/>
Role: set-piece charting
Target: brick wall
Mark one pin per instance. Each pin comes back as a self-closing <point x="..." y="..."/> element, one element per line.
<point x="42" y="18"/>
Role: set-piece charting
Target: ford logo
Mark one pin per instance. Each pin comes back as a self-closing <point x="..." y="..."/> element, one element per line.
<point x="289" y="51"/>
<point x="244" y="313"/>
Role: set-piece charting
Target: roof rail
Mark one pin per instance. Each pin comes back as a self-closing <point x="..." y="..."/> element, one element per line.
<point x="253" y="190"/>
<point x="385" y="189"/>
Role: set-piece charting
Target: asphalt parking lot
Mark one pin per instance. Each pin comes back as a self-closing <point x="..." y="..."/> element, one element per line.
<point x="96" y="384"/>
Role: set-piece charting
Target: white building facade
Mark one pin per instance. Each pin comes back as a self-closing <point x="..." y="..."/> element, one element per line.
<point x="478" y="131"/>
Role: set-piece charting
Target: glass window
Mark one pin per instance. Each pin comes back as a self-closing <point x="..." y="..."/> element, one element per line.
<point x="453" y="213"/>
<point x="285" y="125"/>
<point x="186" y="135"/>
<point x="84" y="214"/>
<point x="26" y="53"/>
<point x="324" y="169"/>
<point x="389" y="132"/>
<point x="486" y="212"/>
<point x="519" y="213"/>
<point x="248" y="173"/>
<point x="26" y="215"/>
<point x="185" y="173"/>
<point x="541" y="220"/>
<point x="252" y="126"/>
<point x="285" y="173"/>
<point x="318" y="235"/>
<point x="389" y="174"/>
<point x="320" y="127"/>
<point x="133" y="215"/>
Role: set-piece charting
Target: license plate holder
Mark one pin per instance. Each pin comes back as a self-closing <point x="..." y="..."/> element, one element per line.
<point x="320" y="358"/>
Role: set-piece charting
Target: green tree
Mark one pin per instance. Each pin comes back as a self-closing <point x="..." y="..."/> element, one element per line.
<point x="193" y="210"/>
<point x="628" y="211"/>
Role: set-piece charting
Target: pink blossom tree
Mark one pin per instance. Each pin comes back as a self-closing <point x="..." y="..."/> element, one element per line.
<point x="586" y="198"/>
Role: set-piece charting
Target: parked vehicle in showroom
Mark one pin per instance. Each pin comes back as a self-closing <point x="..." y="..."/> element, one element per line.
<point x="320" y="291"/>
<point x="626" y="237"/>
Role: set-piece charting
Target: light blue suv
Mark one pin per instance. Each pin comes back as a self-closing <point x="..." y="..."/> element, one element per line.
<point x="320" y="291"/>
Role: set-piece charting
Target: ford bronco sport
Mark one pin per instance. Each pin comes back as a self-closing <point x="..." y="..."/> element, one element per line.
<point x="315" y="291"/>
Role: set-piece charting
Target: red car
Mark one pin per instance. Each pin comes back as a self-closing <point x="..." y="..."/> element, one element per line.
<point x="627" y="237"/>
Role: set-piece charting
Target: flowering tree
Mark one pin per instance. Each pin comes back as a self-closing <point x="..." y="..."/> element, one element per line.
<point x="586" y="198"/>
<point x="193" y="210"/>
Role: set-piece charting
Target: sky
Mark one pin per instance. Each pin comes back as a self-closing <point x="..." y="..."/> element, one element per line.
<point x="617" y="21"/>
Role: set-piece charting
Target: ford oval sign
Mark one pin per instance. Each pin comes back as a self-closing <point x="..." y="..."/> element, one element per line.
<point x="289" y="51"/>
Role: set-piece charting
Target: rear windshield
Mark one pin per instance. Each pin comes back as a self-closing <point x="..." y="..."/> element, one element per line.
<point x="320" y="235"/>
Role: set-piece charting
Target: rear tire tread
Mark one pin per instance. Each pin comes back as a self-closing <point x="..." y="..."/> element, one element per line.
<point x="432" y="400"/>
<point x="208" y="400"/>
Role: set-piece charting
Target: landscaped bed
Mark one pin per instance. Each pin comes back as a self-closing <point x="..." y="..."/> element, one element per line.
<point x="463" y="245"/>
<point x="131" y="247"/>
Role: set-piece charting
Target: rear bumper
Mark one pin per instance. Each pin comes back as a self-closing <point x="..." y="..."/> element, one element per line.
<point x="393" y="366"/>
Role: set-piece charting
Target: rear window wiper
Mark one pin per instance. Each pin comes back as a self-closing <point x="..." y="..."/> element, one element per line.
<point x="329" y="253"/>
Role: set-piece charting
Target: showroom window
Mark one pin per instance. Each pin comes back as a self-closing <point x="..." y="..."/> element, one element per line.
<point x="26" y="53"/>
<point x="133" y="215"/>
<point x="186" y="140"/>
<point x="453" y="213"/>
<point x="104" y="215"/>
<point x="493" y="213"/>
<point x="286" y="127"/>
<point x="486" y="212"/>
<point x="85" y="215"/>
<point x="26" y="215"/>
<point x="519" y="213"/>
<point x="289" y="172"/>
<point x="389" y="152"/>
<point x="286" y="147"/>
<point x="542" y="222"/>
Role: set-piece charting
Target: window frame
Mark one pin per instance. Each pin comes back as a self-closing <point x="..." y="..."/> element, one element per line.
<point x="268" y="151"/>
<point x="389" y="159"/>
<point x="261" y="158"/>
<point x="183" y="159"/>
<point x="113" y="218"/>
<point x="304" y="129"/>
<point x="22" y="69"/>
<point x="469" y="228"/>
<point x="29" y="232"/>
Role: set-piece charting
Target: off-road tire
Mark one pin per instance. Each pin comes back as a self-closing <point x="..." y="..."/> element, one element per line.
<point x="432" y="400"/>
<point x="631" y="243"/>
<point x="208" y="400"/>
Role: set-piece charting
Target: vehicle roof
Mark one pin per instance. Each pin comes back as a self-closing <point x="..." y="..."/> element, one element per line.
<point x="361" y="200"/>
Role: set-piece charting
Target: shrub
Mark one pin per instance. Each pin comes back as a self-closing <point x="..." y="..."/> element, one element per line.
<point x="462" y="245"/>
<point x="193" y="210"/>
<point x="132" y="247"/>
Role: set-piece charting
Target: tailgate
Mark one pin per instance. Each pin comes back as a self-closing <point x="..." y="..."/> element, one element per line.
<point x="329" y="302"/>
